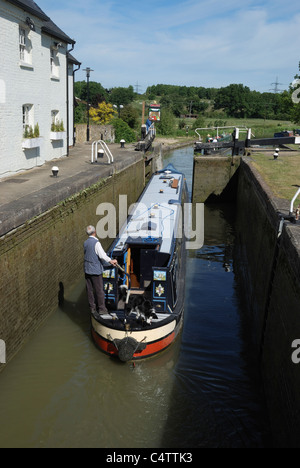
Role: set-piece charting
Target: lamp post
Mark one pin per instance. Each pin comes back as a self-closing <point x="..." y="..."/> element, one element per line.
<point x="88" y="74"/>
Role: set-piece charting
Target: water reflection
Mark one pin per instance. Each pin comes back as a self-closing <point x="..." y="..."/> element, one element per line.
<point x="217" y="400"/>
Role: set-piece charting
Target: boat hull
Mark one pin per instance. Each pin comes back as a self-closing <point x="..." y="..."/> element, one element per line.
<point x="148" y="342"/>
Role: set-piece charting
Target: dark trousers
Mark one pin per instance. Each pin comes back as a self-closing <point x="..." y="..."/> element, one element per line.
<point x="95" y="292"/>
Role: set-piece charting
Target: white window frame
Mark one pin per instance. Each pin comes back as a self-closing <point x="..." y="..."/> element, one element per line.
<point x="22" y="43"/>
<point x="25" y="49"/>
<point x="54" y="116"/>
<point x="54" y="63"/>
<point x="28" y="116"/>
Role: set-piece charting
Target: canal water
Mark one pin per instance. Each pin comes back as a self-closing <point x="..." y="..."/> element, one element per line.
<point x="204" y="391"/>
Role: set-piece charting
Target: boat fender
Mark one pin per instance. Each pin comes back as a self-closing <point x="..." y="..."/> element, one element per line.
<point x="127" y="347"/>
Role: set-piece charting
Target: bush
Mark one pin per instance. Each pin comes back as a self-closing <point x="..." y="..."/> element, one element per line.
<point x="123" y="131"/>
<point x="167" y="124"/>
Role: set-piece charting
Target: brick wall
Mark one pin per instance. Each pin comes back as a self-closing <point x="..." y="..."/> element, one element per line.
<point x="268" y="271"/>
<point x="48" y="251"/>
<point x="213" y="177"/>
<point x="97" y="132"/>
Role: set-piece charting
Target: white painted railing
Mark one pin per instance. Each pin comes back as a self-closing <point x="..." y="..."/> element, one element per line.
<point x="106" y="150"/>
<point x="293" y="201"/>
<point x="241" y="129"/>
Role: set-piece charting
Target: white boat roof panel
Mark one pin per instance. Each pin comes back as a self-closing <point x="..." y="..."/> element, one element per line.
<point x="157" y="212"/>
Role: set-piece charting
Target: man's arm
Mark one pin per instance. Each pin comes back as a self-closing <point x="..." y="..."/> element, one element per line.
<point x="101" y="254"/>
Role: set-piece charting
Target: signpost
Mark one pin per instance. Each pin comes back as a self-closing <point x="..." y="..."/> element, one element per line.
<point x="154" y="112"/>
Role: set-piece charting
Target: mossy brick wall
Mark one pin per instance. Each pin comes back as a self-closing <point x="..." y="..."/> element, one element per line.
<point x="48" y="251"/>
<point x="214" y="177"/>
<point x="281" y="374"/>
<point x="271" y="284"/>
<point x="256" y="243"/>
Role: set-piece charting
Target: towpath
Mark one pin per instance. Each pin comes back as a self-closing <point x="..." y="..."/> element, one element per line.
<point x="30" y="193"/>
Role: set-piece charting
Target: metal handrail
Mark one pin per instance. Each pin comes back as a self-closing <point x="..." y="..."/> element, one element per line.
<point x="107" y="152"/>
<point x="245" y="129"/>
<point x="151" y="132"/>
<point x="293" y="201"/>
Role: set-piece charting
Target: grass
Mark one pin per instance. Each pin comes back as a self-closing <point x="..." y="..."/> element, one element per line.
<point x="282" y="175"/>
<point x="261" y="128"/>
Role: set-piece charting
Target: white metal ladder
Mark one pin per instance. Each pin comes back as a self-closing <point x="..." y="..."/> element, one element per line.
<point x="107" y="152"/>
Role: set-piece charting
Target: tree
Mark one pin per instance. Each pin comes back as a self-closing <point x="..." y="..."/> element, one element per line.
<point x="235" y="99"/>
<point x="199" y="123"/>
<point x="296" y="114"/>
<point x="130" y="115"/>
<point x="121" y="96"/>
<point x="103" y="114"/>
<point x="167" y="124"/>
<point x="96" y="91"/>
<point x="295" y="97"/>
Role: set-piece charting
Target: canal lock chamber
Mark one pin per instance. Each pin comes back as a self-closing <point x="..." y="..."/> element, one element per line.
<point x="267" y="267"/>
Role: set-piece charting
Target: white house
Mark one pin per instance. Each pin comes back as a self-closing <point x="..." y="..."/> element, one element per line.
<point x="36" y="88"/>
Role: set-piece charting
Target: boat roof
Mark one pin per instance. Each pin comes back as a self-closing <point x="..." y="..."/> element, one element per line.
<point x="155" y="217"/>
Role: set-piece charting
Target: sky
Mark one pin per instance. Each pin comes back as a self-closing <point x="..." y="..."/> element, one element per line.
<point x="209" y="43"/>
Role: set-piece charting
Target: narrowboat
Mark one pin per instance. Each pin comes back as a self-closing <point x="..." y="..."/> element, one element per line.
<point x="145" y="292"/>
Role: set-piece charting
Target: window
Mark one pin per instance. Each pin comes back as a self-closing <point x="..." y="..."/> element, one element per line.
<point x="22" y="44"/>
<point x="54" y="120"/>
<point x="54" y="116"/>
<point x="25" y="46"/>
<point x="54" y="63"/>
<point x="28" y="120"/>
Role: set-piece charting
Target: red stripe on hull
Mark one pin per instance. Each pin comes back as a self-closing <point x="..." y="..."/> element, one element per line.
<point x="152" y="348"/>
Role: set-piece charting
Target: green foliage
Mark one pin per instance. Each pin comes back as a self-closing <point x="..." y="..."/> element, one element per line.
<point x="97" y="93"/>
<point x="167" y="124"/>
<point x="123" y="131"/>
<point x="182" y="100"/>
<point x="121" y="96"/>
<point x="130" y="115"/>
<point x="199" y="123"/>
<point x="296" y="114"/>
<point x="36" y="132"/>
<point x="240" y="102"/>
<point x="211" y="106"/>
<point x="30" y="132"/>
<point x="235" y="100"/>
<point x="296" y="106"/>
<point x="57" y="126"/>
<point x="80" y="113"/>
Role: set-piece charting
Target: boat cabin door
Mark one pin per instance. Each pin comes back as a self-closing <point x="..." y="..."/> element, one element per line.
<point x="133" y="267"/>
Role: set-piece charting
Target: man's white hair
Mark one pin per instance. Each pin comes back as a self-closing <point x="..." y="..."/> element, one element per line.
<point x="90" y="230"/>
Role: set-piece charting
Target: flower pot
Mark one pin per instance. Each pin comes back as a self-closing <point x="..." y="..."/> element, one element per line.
<point x="58" y="136"/>
<point x="30" y="143"/>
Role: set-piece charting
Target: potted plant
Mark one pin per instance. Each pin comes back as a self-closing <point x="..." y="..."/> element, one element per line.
<point x="31" y="137"/>
<point x="57" y="130"/>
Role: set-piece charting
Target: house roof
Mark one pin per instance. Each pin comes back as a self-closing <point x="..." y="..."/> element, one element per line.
<point x="30" y="7"/>
<point x="73" y="60"/>
<point x="53" y="30"/>
<point x="48" y="27"/>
